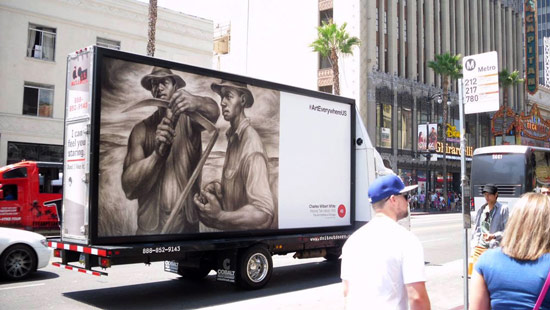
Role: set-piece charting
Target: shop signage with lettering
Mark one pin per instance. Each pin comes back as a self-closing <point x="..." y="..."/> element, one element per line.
<point x="454" y="150"/>
<point x="531" y="48"/>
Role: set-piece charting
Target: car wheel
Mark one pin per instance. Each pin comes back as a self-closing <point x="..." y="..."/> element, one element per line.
<point x="255" y="267"/>
<point x="17" y="262"/>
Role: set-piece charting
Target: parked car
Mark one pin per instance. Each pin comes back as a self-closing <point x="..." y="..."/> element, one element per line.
<point x="21" y="253"/>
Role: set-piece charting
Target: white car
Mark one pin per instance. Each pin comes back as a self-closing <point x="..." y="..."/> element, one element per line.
<point x="21" y="253"/>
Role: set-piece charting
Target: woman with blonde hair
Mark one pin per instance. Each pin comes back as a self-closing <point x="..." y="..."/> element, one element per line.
<point x="513" y="276"/>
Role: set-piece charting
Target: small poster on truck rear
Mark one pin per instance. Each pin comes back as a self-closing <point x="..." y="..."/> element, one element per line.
<point x="75" y="181"/>
<point x="79" y="75"/>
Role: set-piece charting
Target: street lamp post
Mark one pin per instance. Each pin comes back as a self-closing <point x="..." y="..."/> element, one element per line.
<point x="445" y="185"/>
<point x="432" y="177"/>
<point x="440" y="99"/>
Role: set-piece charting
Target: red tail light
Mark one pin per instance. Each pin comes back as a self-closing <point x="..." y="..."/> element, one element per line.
<point x="56" y="253"/>
<point x="104" y="262"/>
<point x="472" y="205"/>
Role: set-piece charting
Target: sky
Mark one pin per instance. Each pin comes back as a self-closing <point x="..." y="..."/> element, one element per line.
<point x="215" y="10"/>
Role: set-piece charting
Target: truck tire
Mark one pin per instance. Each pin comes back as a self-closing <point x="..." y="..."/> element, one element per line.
<point x="255" y="267"/>
<point x="194" y="274"/>
<point x="17" y="262"/>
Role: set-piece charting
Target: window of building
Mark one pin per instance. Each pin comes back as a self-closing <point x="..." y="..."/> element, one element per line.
<point x="407" y="176"/>
<point x="17" y="151"/>
<point x="38" y="100"/>
<point x="422" y="111"/>
<point x="325" y="17"/>
<point x="377" y="63"/>
<point x="404" y="128"/>
<point x="385" y="21"/>
<point x="405" y="26"/>
<point x="386" y="61"/>
<point x="437" y="116"/>
<point x="41" y="42"/>
<point x="108" y="43"/>
<point x="384" y="124"/>
<point x="324" y="62"/>
<point x="326" y="89"/>
<point x="470" y="126"/>
<point x="377" y="16"/>
<point x="484" y="130"/>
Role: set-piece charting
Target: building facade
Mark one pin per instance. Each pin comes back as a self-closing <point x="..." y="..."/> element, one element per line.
<point x="543" y="33"/>
<point x="33" y="56"/>
<point x="396" y="90"/>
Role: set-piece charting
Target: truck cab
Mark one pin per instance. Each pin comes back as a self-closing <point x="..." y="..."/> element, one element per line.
<point x="30" y="195"/>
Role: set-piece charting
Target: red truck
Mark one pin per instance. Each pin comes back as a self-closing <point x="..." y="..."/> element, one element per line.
<point x="30" y="195"/>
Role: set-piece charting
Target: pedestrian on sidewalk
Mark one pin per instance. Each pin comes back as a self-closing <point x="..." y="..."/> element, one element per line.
<point x="490" y="219"/>
<point x="489" y="222"/>
<point x="512" y="277"/>
<point x="382" y="262"/>
<point x="422" y="199"/>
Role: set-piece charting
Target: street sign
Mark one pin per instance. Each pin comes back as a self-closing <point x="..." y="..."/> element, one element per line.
<point x="480" y="83"/>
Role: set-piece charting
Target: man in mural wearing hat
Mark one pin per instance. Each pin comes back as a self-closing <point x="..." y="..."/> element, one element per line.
<point x="382" y="262"/>
<point x="243" y="199"/>
<point x="163" y="151"/>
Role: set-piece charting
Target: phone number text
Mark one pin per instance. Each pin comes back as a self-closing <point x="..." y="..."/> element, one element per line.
<point x="164" y="249"/>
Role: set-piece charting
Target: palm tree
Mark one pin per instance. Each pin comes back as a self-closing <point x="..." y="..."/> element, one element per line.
<point x="449" y="67"/>
<point x="152" y="28"/>
<point x="505" y="80"/>
<point x="331" y="42"/>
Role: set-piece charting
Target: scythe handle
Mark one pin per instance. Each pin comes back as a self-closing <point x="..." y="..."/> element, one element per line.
<point x="180" y="202"/>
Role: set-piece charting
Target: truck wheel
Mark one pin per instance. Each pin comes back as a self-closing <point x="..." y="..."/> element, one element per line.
<point x="17" y="262"/>
<point x="194" y="274"/>
<point x="255" y="267"/>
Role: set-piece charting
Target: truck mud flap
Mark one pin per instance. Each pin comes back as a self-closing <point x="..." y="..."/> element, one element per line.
<point x="171" y="266"/>
<point x="227" y="266"/>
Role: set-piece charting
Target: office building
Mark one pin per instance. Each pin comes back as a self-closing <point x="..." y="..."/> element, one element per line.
<point x="37" y="36"/>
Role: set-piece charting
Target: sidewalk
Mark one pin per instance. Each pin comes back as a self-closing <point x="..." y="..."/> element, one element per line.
<point x="432" y="212"/>
<point x="445" y="285"/>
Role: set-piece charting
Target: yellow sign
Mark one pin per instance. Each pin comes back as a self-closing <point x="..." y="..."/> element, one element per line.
<point x="453" y="150"/>
<point x="452" y="132"/>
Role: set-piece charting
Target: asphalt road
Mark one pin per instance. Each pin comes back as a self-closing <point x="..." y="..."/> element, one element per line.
<point x="295" y="284"/>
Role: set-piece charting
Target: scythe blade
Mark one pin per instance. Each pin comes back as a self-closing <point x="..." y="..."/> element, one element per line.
<point x="152" y="102"/>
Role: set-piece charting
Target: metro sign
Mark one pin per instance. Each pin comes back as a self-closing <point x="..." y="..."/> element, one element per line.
<point x="480" y="83"/>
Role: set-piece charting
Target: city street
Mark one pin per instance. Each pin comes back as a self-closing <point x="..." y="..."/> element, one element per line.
<point x="295" y="284"/>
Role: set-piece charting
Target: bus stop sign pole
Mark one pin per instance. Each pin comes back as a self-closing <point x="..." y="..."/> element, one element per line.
<point x="464" y="187"/>
<point x="480" y="82"/>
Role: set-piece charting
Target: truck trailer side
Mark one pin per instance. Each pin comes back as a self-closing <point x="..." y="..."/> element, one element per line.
<point x="205" y="170"/>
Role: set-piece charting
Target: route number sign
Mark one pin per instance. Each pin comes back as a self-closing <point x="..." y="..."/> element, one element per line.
<point x="480" y="82"/>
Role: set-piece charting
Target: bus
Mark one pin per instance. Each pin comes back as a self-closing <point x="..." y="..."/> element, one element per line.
<point x="514" y="169"/>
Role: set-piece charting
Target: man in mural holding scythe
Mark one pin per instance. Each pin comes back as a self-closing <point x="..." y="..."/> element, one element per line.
<point x="164" y="151"/>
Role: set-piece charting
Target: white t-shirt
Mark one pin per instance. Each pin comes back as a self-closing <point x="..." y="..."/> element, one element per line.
<point x="377" y="261"/>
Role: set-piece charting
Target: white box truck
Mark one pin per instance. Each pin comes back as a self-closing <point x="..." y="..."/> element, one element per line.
<point x="205" y="170"/>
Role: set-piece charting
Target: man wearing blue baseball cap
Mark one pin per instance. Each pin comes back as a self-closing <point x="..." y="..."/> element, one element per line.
<point x="382" y="262"/>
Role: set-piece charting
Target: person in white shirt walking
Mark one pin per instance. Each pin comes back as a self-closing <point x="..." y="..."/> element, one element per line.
<point x="382" y="262"/>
